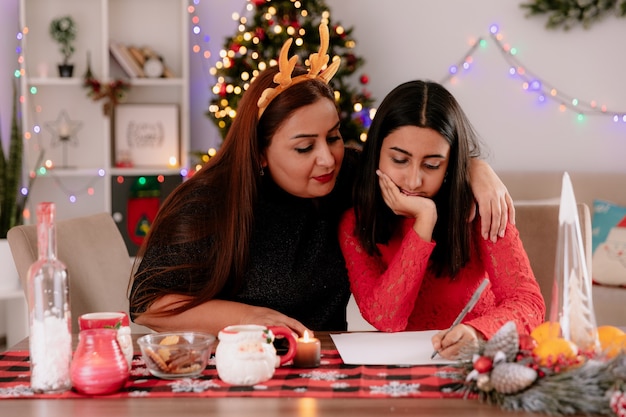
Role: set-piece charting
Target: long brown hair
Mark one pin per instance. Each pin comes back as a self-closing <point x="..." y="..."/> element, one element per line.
<point x="213" y="211"/>
<point x="430" y="105"/>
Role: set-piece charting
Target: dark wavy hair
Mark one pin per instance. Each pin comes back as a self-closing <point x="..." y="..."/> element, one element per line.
<point x="428" y="105"/>
<point x="213" y="211"/>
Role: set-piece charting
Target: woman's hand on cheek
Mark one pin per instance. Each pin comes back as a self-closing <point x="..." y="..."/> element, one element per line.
<point x="399" y="203"/>
<point x="389" y="191"/>
<point x="422" y="209"/>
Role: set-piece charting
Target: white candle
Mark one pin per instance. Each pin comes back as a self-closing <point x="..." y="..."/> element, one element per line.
<point x="308" y="352"/>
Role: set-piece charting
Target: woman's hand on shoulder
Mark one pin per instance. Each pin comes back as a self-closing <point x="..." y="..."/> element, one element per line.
<point x="495" y="204"/>
<point x="268" y="317"/>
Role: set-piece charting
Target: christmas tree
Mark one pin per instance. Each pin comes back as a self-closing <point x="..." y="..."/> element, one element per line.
<point x="257" y="45"/>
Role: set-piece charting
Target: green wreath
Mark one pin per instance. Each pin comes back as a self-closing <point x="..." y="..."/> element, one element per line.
<point x="567" y="13"/>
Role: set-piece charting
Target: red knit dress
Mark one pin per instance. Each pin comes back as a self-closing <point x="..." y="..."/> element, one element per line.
<point x="396" y="291"/>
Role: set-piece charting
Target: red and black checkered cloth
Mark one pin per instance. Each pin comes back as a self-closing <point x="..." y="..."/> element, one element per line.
<point x="333" y="379"/>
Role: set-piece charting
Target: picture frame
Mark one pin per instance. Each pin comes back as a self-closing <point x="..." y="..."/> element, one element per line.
<point x="146" y="135"/>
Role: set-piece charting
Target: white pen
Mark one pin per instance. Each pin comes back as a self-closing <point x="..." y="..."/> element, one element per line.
<point x="468" y="307"/>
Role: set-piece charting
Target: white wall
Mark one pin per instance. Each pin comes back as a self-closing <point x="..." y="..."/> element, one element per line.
<point x="408" y="39"/>
<point x="420" y="39"/>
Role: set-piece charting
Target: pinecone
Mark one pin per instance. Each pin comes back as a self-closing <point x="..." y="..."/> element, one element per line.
<point x="506" y="340"/>
<point x="509" y="378"/>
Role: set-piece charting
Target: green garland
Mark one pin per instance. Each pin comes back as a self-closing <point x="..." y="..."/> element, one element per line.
<point x="567" y="13"/>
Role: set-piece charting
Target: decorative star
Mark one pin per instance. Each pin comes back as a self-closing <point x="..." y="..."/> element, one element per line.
<point x="63" y="129"/>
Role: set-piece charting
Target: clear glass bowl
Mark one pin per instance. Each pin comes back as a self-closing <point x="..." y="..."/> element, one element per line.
<point x="174" y="355"/>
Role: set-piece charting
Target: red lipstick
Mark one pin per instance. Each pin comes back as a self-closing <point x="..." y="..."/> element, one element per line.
<point x="325" y="178"/>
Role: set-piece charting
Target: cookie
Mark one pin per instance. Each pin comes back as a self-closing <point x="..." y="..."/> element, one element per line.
<point x="157" y="360"/>
<point x="170" y="340"/>
<point x="186" y="369"/>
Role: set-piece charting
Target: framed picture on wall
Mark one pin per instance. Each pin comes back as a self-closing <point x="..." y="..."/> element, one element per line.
<point x="146" y="135"/>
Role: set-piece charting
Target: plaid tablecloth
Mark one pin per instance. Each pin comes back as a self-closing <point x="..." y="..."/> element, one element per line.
<point x="333" y="379"/>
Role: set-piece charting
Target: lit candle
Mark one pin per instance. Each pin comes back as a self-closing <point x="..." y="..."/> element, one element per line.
<point x="307" y="352"/>
<point x="64" y="130"/>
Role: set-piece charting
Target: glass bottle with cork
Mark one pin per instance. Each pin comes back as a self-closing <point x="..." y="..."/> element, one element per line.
<point x="49" y="313"/>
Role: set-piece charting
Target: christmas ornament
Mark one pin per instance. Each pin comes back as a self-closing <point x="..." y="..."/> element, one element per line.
<point x="572" y="302"/>
<point x="113" y="92"/>
<point x="505" y="340"/>
<point x="518" y="382"/>
<point x="64" y="131"/>
<point x="142" y="207"/>
<point x="509" y="378"/>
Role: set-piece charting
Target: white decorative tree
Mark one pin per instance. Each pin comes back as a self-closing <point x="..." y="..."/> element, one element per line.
<point x="572" y="305"/>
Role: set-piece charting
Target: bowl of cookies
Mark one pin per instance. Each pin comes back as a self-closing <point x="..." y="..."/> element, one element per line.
<point x="176" y="354"/>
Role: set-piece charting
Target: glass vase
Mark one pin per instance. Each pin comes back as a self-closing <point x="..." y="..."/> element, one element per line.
<point x="50" y="324"/>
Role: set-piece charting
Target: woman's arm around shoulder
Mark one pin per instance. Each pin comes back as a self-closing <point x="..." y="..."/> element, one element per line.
<point x="495" y="204"/>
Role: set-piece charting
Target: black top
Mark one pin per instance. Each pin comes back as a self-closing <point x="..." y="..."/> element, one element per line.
<point x="296" y="266"/>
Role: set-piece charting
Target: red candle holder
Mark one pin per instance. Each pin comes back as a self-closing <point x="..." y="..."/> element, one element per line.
<point x="98" y="366"/>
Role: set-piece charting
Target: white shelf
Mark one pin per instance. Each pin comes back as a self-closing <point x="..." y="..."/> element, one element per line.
<point x="134" y="82"/>
<point x="73" y="172"/>
<point x="87" y="187"/>
<point x="145" y="171"/>
<point x="157" y="82"/>
<point x="55" y="81"/>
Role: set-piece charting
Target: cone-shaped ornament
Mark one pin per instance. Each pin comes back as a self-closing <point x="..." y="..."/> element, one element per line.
<point x="572" y="302"/>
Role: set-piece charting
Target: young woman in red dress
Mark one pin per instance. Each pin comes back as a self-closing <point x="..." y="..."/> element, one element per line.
<point x="413" y="247"/>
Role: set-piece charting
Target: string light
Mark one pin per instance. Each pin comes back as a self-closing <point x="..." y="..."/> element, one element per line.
<point x="73" y="194"/>
<point x="200" y="40"/>
<point x="200" y="47"/>
<point x="532" y="83"/>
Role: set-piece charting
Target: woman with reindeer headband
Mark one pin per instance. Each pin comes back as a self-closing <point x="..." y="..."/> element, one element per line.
<point x="252" y="236"/>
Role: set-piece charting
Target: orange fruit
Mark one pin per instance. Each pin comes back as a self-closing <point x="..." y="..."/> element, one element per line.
<point x="546" y="331"/>
<point x="550" y="350"/>
<point x="612" y="340"/>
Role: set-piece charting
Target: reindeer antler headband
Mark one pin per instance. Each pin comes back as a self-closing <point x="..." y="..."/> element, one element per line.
<point x="286" y="66"/>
